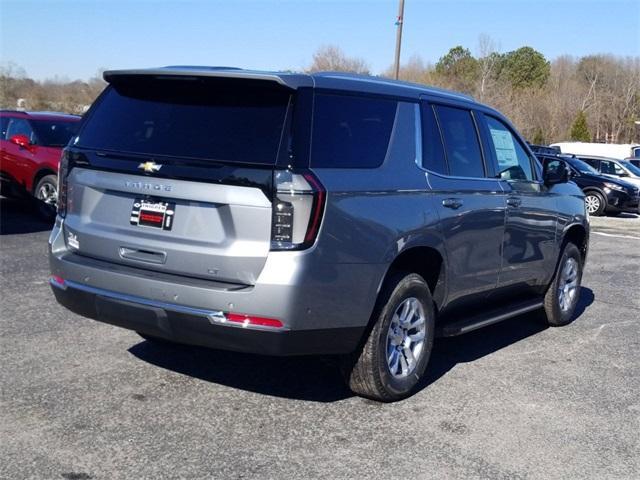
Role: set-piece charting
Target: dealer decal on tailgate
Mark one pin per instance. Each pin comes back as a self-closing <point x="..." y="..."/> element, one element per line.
<point x="153" y="213"/>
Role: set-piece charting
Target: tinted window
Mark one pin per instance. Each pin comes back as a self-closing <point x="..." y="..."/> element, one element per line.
<point x="351" y="132"/>
<point x="513" y="161"/>
<point x="201" y="118"/>
<point x="4" y="123"/>
<point x="581" y="166"/>
<point x="432" y="149"/>
<point x="610" y="168"/>
<point x="461" y="142"/>
<point x="19" y="126"/>
<point x="54" y="133"/>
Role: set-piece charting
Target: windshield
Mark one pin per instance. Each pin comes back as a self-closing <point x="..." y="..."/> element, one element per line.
<point x="582" y="166"/>
<point x="631" y="167"/>
<point x="54" y="133"/>
<point x="230" y="121"/>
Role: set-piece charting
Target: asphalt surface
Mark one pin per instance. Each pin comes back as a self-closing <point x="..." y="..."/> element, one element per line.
<point x="83" y="400"/>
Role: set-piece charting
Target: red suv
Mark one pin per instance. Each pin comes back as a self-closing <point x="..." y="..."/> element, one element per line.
<point x="30" y="148"/>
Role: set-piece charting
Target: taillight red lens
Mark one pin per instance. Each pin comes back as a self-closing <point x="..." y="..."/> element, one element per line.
<point x="298" y="205"/>
<point x="253" y="320"/>
<point x="58" y="280"/>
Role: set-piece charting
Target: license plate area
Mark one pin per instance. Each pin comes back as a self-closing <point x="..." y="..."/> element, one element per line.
<point x="153" y="213"/>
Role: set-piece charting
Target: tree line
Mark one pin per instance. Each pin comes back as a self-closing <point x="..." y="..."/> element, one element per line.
<point x="591" y="98"/>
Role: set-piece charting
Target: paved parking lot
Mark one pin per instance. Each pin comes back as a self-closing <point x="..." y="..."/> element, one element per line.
<point x="83" y="400"/>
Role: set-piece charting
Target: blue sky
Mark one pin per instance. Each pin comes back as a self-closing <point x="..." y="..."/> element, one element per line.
<point x="73" y="39"/>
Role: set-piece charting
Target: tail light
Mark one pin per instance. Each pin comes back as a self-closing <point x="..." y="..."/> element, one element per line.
<point x="63" y="173"/>
<point x="297" y="210"/>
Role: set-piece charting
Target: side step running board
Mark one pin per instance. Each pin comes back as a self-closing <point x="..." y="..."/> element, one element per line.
<point x="458" y="327"/>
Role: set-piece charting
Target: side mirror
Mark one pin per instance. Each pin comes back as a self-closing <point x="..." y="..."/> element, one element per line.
<point x="555" y="171"/>
<point x="21" y="140"/>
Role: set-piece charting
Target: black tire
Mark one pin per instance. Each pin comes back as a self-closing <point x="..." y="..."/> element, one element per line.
<point x="599" y="202"/>
<point x="556" y="315"/>
<point x="45" y="205"/>
<point x="367" y="372"/>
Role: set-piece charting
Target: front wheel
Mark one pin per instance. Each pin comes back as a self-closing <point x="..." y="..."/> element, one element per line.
<point x="561" y="299"/>
<point x="595" y="203"/>
<point x="395" y="355"/>
<point x="46" y="195"/>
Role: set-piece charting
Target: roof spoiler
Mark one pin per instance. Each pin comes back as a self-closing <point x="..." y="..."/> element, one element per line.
<point x="288" y="80"/>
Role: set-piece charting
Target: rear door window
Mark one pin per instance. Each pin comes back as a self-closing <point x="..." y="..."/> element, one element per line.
<point x="20" y="126"/>
<point x="351" y="131"/>
<point x="611" y="168"/>
<point x="433" y="158"/>
<point x="211" y="119"/>
<point x="460" y="142"/>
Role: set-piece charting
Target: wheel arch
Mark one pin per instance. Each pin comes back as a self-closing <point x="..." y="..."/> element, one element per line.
<point x="579" y="236"/>
<point x="40" y="174"/>
<point x="426" y="261"/>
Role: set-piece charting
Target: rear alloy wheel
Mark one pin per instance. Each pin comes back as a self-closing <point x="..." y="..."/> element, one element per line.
<point x="394" y="358"/>
<point x="562" y="297"/>
<point x="595" y="203"/>
<point x="46" y="194"/>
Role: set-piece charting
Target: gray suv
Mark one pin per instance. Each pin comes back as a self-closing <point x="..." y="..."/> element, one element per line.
<point x="292" y="214"/>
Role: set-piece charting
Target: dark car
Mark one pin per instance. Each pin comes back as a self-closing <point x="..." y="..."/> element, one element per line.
<point x="544" y="150"/>
<point x="603" y="194"/>
<point x="295" y="214"/>
<point x="31" y="145"/>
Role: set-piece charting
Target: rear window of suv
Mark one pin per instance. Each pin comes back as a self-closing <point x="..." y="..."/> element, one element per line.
<point x="195" y="118"/>
<point x="351" y="131"/>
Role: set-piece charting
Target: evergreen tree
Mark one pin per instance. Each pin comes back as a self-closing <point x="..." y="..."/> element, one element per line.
<point x="580" y="129"/>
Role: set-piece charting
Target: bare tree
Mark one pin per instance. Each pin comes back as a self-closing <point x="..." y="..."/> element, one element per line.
<point x="488" y="58"/>
<point x="331" y="58"/>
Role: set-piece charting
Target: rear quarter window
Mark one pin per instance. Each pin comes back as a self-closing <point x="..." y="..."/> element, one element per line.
<point x="351" y="131"/>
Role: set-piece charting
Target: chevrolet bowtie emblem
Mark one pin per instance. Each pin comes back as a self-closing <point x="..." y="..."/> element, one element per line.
<point x="150" y="167"/>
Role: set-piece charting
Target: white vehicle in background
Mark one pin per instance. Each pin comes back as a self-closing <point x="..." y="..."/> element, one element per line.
<point x="618" y="151"/>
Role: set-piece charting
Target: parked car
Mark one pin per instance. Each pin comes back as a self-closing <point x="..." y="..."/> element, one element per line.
<point x="542" y="149"/>
<point x="31" y="145"/>
<point x="603" y="194"/>
<point x="614" y="168"/>
<point x="295" y="214"/>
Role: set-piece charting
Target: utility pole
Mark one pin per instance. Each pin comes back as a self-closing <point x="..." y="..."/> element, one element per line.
<point x="399" y="23"/>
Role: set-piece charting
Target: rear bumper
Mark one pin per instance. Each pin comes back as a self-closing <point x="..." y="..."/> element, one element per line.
<point x="324" y="308"/>
<point x="194" y="326"/>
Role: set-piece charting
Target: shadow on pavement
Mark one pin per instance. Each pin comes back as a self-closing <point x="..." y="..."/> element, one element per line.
<point x="449" y="352"/>
<point x="18" y="216"/>
<point x="303" y="378"/>
<point x="318" y="379"/>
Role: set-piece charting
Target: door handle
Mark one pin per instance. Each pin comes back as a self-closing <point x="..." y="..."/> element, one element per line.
<point x="453" y="203"/>
<point x="514" y="202"/>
